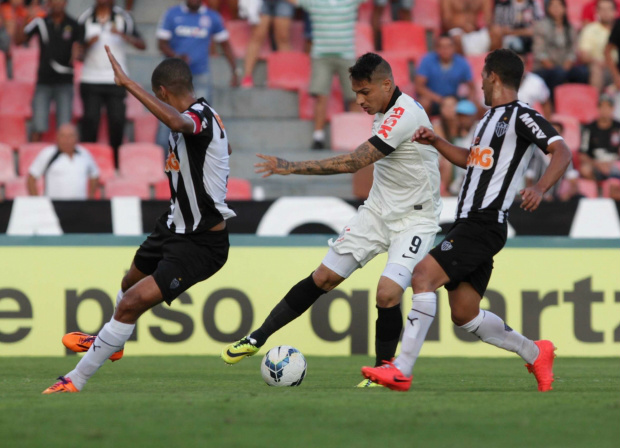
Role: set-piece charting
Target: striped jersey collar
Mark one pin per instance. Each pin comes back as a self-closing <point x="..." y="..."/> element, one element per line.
<point x="512" y="103"/>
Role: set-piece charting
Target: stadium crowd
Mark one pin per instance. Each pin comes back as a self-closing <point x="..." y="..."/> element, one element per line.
<point x="53" y="71"/>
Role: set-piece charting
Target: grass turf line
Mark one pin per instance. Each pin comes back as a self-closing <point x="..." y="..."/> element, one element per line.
<point x="199" y="401"/>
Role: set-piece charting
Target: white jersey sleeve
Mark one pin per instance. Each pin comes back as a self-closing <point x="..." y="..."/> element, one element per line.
<point x="397" y="127"/>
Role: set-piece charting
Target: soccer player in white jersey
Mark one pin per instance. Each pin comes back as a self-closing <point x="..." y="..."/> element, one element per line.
<point x="400" y="216"/>
<point x="496" y="160"/>
<point x="190" y="241"/>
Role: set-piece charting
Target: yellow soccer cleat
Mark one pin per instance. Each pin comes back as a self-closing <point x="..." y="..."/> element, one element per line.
<point x="368" y="383"/>
<point x="233" y="353"/>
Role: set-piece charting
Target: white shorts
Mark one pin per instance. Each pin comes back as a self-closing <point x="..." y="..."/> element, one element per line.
<point x="474" y="43"/>
<point x="367" y="236"/>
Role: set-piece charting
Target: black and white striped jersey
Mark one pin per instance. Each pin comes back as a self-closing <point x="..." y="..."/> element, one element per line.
<point x="197" y="169"/>
<point x="503" y="144"/>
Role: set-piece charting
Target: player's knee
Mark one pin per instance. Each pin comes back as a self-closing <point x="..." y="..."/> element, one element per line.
<point x="326" y="279"/>
<point x="462" y="315"/>
<point x="126" y="283"/>
<point x="387" y="298"/>
<point x="420" y="282"/>
<point x="130" y="307"/>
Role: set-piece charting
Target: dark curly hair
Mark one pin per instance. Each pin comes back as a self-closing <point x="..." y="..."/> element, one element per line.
<point x="368" y="66"/>
<point x="174" y="74"/>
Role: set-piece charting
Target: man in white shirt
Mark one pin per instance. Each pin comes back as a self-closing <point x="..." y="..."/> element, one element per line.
<point x="399" y="217"/>
<point x="69" y="170"/>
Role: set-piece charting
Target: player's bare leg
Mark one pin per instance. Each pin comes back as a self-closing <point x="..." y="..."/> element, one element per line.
<point x="81" y="342"/>
<point x="294" y="304"/>
<point x="139" y="298"/>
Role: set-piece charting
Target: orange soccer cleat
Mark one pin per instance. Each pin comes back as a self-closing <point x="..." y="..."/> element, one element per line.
<point x="63" y="385"/>
<point x="80" y="342"/>
<point x="543" y="366"/>
<point x="388" y="375"/>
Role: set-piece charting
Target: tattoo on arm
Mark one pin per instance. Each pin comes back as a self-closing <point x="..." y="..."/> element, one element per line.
<point x="364" y="155"/>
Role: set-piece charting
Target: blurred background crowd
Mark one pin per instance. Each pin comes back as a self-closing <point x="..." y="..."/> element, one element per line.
<point x="276" y="71"/>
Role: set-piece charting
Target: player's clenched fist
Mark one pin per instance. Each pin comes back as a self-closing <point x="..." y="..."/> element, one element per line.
<point x="424" y="135"/>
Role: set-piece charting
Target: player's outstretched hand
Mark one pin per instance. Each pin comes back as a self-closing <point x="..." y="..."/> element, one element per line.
<point x="120" y="77"/>
<point x="531" y="198"/>
<point x="425" y="136"/>
<point x="272" y="165"/>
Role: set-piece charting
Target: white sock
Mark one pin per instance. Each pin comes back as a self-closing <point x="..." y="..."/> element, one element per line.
<point x="119" y="297"/>
<point x="110" y="339"/>
<point x="419" y="320"/>
<point x="318" y="135"/>
<point x="492" y="330"/>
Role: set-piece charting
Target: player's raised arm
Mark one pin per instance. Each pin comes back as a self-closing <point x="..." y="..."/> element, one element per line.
<point x="364" y="155"/>
<point x="455" y="154"/>
<point x="167" y="114"/>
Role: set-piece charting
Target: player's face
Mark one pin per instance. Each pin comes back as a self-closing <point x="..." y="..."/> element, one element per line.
<point x="372" y="96"/>
<point x="487" y="87"/>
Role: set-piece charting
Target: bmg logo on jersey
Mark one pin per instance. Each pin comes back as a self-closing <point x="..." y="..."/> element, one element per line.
<point x="172" y="163"/>
<point x="391" y="121"/>
<point x="481" y="157"/>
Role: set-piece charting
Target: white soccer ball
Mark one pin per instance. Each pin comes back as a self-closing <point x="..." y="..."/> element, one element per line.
<point x="283" y="366"/>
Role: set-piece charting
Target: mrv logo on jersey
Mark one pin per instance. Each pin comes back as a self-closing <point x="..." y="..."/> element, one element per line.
<point x="530" y="123"/>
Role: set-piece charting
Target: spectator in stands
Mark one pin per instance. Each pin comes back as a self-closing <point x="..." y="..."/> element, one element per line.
<point x="589" y="12"/>
<point x="564" y="189"/>
<point x="105" y="24"/>
<point x="534" y="90"/>
<point x="5" y="41"/>
<point x="460" y="19"/>
<point x="60" y="38"/>
<point x="612" y="61"/>
<point x="185" y="32"/>
<point x="555" y="43"/>
<point x="600" y="144"/>
<point x="440" y="74"/>
<point x="592" y="40"/>
<point x="404" y="14"/>
<point x="278" y="13"/>
<point x="333" y="52"/>
<point x="513" y="22"/>
<point x="232" y="5"/>
<point x="69" y="170"/>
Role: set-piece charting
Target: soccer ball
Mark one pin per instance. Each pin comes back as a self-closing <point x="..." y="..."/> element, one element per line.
<point x="283" y="366"/>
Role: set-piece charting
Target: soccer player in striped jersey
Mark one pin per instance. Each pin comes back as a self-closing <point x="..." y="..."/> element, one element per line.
<point x="399" y="217"/>
<point x="190" y="241"/>
<point x="495" y="162"/>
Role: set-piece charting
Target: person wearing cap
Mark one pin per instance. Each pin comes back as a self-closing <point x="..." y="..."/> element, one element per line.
<point x="599" y="154"/>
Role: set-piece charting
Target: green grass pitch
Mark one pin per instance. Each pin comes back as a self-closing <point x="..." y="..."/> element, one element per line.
<point x="199" y="402"/>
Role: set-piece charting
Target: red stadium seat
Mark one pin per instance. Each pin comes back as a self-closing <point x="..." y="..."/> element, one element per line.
<point x="349" y="130"/>
<point x="16" y="98"/>
<point x="363" y="38"/>
<point x="427" y="13"/>
<point x="404" y="39"/>
<point x="239" y="190"/>
<point x="135" y="108"/>
<point x="3" y="73"/>
<point x="25" y="63"/>
<point x="288" y="70"/>
<point x="607" y="186"/>
<point x="13" y="130"/>
<point x="401" y="73"/>
<point x="127" y="187"/>
<point x="26" y="153"/>
<point x="162" y="190"/>
<point x="578" y="100"/>
<point x="587" y="187"/>
<point x="7" y="164"/>
<point x="240" y="33"/>
<point x="145" y="128"/>
<point x="18" y="187"/>
<point x="144" y="161"/>
<point x="335" y="102"/>
<point x="574" y="8"/>
<point x="104" y="158"/>
<point x="572" y="130"/>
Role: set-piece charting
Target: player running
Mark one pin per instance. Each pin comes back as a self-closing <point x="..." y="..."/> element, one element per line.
<point x="503" y="144"/>
<point x="190" y="241"/>
<point x="400" y="216"/>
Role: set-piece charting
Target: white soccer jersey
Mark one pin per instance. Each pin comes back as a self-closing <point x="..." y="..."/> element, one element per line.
<point x="406" y="181"/>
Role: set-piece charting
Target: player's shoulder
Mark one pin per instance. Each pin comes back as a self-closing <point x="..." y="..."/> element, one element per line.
<point x="409" y="106"/>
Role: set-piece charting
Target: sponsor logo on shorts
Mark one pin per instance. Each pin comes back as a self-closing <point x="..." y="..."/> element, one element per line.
<point x="446" y="245"/>
<point x="175" y="283"/>
<point x="480" y="157"/>
<point x="342" y="234"/>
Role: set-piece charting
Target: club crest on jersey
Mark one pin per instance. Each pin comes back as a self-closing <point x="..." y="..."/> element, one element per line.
<point x="172" y="163"/>
<point x="501" y="128"/>
<point x="391" y="121"/>
<point x="446" y="246"/>
<point x="481" y="157"/>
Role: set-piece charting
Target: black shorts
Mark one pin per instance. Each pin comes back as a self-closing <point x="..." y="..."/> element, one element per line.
<point x="466" y="253"/>
<point x="178" y="261"/>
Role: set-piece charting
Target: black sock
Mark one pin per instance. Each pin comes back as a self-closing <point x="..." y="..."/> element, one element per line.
<point x="388" y="328"/>
<point x="294" y="304"/>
